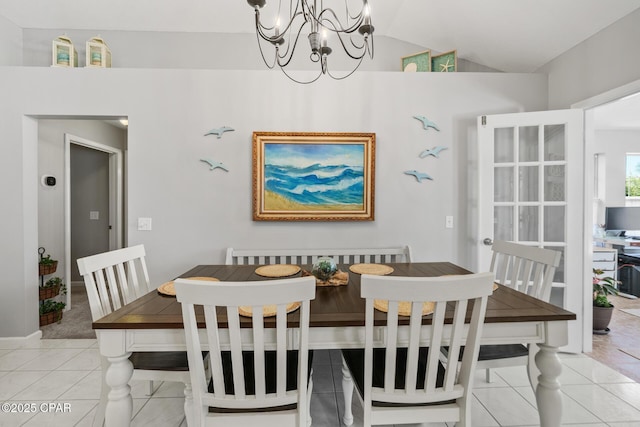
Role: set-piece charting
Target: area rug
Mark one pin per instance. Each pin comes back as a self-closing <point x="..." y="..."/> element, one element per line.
<point x="634" y="352"/>
<point x="632" y="311"/>
<point x="76" y="322"/>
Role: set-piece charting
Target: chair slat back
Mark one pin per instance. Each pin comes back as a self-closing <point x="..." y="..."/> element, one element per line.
<point x="309" y="256"/>
<point x="450" y="294"/>
<point x="226" y="297"/>
<point x="527" y="269"/>
<point x="114" y="278"/>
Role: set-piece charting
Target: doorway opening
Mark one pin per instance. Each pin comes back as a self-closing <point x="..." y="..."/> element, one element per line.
<point x="93" y="201"/>
<point x="605" y="112"/>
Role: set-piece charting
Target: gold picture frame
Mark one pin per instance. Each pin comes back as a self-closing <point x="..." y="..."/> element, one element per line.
<point x="417" y="62"/>
<point x="311" y="176"/>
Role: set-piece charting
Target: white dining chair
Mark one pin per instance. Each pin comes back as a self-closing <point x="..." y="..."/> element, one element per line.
<point x="309" y="256"/>
<point x="530" y="270"/>
<point x="116" y="278"/>
<point x="404" y="382"/>
<point x="260" y="374"/>
<point x="527" y="269"/>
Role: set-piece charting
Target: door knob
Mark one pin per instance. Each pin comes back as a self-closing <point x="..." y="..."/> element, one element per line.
<point x="487" y="242"/>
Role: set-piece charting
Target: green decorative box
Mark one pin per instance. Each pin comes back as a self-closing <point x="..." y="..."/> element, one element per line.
<point x="445" y="63"/>
<point x="417" y="62"/>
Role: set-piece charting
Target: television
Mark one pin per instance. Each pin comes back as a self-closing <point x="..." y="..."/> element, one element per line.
<point x="625" y="220"/>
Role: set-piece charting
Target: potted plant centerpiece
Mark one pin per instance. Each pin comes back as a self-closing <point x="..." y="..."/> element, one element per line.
<point x="602" y="307"/>
<point x="52" y="287"/>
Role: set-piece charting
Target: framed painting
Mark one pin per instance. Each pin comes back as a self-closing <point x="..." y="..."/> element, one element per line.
<point x="306" y="176"/>
<point x="445" y="63"/>
<point x="420" y="61"/>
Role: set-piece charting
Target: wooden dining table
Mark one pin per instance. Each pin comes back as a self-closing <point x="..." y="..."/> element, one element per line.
<point x="153" y="322"/>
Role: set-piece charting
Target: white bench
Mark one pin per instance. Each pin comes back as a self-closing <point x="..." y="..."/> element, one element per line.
<point x="309" y="256"/>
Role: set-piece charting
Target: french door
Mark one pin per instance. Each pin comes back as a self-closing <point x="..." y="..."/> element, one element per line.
<point x="530" y="168"/>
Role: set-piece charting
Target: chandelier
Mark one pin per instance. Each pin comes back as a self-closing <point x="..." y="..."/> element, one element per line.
<point x="324" y="30"/>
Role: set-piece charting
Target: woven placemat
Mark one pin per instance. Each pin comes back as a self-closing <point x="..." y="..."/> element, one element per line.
<point x="375" y="269"/>
<point x="267" y="310"/>
<point x="170" y="290"/>
<point x="339" y="278"/>
<point x="404" y="307"/>
<point x="277" y="270"/>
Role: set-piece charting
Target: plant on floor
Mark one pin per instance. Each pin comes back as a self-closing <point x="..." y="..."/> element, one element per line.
<point x="602" y="307"/>
<point x="602" y="288"/>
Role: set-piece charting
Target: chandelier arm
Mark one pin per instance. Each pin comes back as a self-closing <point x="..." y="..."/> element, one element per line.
<point x="338" y="28"/>
<point x="289" y="56"/>
<point x="346" y="49"/>
<point x="299" y="81"/>
<point x="347" y="75"/>
<point x="263" y="57"/>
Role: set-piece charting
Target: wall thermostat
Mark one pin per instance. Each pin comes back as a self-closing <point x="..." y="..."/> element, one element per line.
<point x="48" y="180"/>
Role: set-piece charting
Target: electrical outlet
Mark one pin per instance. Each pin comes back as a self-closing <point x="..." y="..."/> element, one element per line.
<point x="144" y="224"/>
<point x="448" y="221"/>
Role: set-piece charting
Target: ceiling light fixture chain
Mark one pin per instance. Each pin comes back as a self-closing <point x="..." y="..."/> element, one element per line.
<point x="354" y="33"/>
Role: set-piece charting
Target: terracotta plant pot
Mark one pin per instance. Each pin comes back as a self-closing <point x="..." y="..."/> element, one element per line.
<point x="44" y="269"/>
<point x="50" y="292"/>
<point x="601" y="319"/>
<point x="51" y="317"/>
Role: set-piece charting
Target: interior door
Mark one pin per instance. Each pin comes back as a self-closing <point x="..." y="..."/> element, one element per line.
<point x="531" y="191"/>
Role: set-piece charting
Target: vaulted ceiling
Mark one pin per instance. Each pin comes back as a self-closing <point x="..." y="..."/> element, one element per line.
<point x="507" y="35"/>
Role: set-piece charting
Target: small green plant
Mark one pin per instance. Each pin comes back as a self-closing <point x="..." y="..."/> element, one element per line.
<point x="46" y="260"/>
<point x="51" y="305"/>
<point x="602" y="288"/>
<point x="56" y="281"/>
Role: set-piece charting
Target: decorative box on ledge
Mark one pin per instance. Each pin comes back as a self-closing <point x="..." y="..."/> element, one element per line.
<point x="63" y="53"/>
<point x="98" y="54"/>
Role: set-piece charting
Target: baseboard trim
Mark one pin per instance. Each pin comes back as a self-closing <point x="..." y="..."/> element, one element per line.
<point x="34" y="337"/>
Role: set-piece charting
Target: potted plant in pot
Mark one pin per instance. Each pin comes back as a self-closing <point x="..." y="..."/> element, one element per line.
<point x="52" y="287"/>
<point x="46" y="265"/>
<point x="602" y="307"/>
<point x="51" y="311"/>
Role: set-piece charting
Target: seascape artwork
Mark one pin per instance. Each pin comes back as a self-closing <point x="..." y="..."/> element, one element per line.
<point x="314" y="177"/>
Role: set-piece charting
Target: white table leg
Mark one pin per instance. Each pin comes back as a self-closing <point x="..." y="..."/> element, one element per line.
<point x="548" y="394"/>
<point x="120" y="404"/>
<point x="347" y="392"/>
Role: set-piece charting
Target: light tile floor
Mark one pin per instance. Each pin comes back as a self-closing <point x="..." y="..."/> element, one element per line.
<point x="68" y="372"/>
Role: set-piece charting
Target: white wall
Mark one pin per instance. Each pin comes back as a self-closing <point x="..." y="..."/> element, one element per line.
<point x="10" y="43"/>
<point x="197" y="213"/>
<point x="615" y="144"/>
<point x="601" y="63"/>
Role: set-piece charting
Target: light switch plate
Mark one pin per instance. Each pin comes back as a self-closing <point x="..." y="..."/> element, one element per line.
<point x="94" y="215"/>
<point x="448" y="221"/>
<point x="144" y="224"/>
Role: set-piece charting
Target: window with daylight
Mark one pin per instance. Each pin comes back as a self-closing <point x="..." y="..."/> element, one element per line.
<point x="632" y="184"/>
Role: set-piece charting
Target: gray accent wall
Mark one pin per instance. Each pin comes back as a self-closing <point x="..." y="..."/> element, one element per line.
<point x="218" y="51"/>
<point x="198" y="213"/>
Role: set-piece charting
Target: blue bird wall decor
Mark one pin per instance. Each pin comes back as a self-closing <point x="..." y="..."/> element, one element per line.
<point x="215" y="165"/>
<point x="426" y="123"/>
<point x="219" y="131"/>
<point x="435" y="152"/>
<point x="419" y="175"/>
